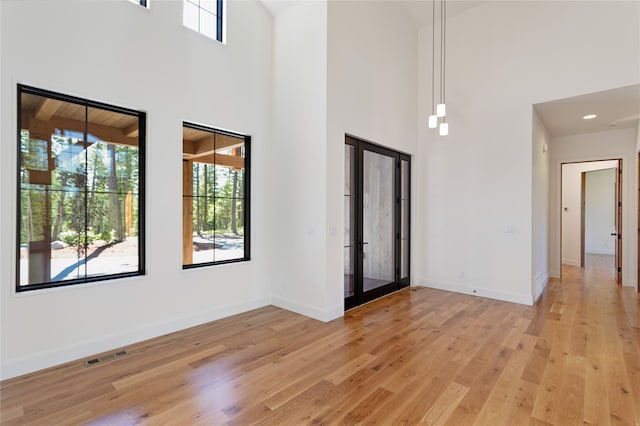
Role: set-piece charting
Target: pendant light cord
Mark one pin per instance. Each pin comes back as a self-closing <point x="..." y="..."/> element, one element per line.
<point x="441" y="51"/>
<point x="444" y="49"/>
<point x="433" y="58"/>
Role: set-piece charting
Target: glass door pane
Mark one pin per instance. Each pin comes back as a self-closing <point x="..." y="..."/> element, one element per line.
<point x="349" y="220"/>
<point x="378" y="179"/>
<point x="404" y="219"/>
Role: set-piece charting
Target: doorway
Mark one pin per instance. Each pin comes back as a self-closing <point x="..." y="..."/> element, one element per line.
<point x="377" y="221"/>
<point x="591" y="225"/>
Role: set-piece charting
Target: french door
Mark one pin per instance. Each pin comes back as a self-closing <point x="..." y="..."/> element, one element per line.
<point x="377" y="221"/>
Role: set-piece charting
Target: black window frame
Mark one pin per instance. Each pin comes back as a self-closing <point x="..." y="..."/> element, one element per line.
<point x="246" y="192"/>
<point x="86" y="103"/>
<point x="219" y="18"/>
<point x="142" y="3"/>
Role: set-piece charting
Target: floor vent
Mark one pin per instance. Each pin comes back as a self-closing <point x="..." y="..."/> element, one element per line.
<point x="105" y="358"/>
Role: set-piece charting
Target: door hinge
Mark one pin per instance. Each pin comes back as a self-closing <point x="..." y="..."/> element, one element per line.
<point x="619" y="269"/>
<point x="619" y="204"/>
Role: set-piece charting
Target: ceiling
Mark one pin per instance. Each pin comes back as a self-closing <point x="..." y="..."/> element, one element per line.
<point x="276" y="6"/>
<point x="615" y="109"/>
<point x="420" y="10"/>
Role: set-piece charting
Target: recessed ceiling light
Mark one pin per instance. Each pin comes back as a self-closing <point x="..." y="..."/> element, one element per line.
<point x="589" y="117"/>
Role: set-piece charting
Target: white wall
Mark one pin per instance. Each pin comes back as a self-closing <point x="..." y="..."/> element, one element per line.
<point x="372" y="78"/>
<point x="298" y="154"/>
<point x="147" y="61"/>
<point x="475" y="200"/>
<point x="612" y="144"/>
<point x="350" y="79"/>
<point x="600" y="212"/>
<point x="540" y="226"/>
<point x="571" y="207"/>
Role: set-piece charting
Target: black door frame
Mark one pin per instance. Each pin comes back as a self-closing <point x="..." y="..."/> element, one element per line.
<point x="360" y="296"/>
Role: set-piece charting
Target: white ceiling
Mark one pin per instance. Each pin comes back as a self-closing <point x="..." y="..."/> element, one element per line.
<point x="615" y="109"/>
<point x="420" y="10"/>
<point x="276" y="6"/>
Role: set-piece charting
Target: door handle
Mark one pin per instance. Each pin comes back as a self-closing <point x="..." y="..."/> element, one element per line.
<point x="614" y="234"/>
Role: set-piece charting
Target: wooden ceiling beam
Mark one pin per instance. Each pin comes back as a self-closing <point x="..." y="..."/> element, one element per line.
<point x="107" y="134"/>
<point x="197" y="148"/>
<point x="226" y="142"/>
<point x="131" y="131"/>
<point x="192" y="149"/>
<point x="222" y="160"/>
<point x="47" y="108"/>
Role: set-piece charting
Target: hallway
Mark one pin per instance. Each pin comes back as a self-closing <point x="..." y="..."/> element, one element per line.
<point x="592" y="329"/>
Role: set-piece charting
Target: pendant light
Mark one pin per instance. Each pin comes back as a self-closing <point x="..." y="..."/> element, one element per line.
<point x="444" y="128"/>
<point x="439" y="110"/>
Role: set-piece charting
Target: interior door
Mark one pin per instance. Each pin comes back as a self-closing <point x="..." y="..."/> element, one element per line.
<point x="583" y="208"/>
<point x="378" y="234"/>
<point x="377" y="205"/>
<point x="618" y="216"/>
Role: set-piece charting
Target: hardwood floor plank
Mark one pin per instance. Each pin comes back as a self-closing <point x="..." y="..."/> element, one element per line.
<point x="596" y="402"/>
<point x="337" y="376"/>
<point x="571" y="399"/>
<point x="444" y="406"/>
<point x="517" y="410"/>
<point x="364" y="408"/>
<point x="497" y="405"/>
<point x="169" y="367"/>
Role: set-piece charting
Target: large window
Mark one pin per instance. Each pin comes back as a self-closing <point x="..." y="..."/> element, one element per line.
<point x="205" y="17"/>
<point x="80" y="190"/>
<point x="215" y="206"/>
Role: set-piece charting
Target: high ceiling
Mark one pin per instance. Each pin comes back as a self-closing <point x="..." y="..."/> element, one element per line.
<point x="615" y="108"/>
<point x="276" y="6"/>
<point x="420" y="10"/>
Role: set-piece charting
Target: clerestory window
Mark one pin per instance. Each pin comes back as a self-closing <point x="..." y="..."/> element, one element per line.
<point x="205" y="17"/>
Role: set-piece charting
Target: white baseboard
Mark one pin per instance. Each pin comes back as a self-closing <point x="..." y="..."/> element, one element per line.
<point x="306" y="310"/>
<point x="611" y="252"/>
<point x="61" y="355"/>
<point x="571" y="262"/>
<point x="523" y="299"/>
<point x="541" y="280"/>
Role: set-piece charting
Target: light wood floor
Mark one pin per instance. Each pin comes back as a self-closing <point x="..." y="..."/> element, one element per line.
<point x="418" y="356"/>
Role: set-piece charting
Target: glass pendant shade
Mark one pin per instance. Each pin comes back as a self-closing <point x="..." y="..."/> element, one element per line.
<point x="441" y="110"/>
<point x="444" y="129"/>
<point x="433" y="121"/>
